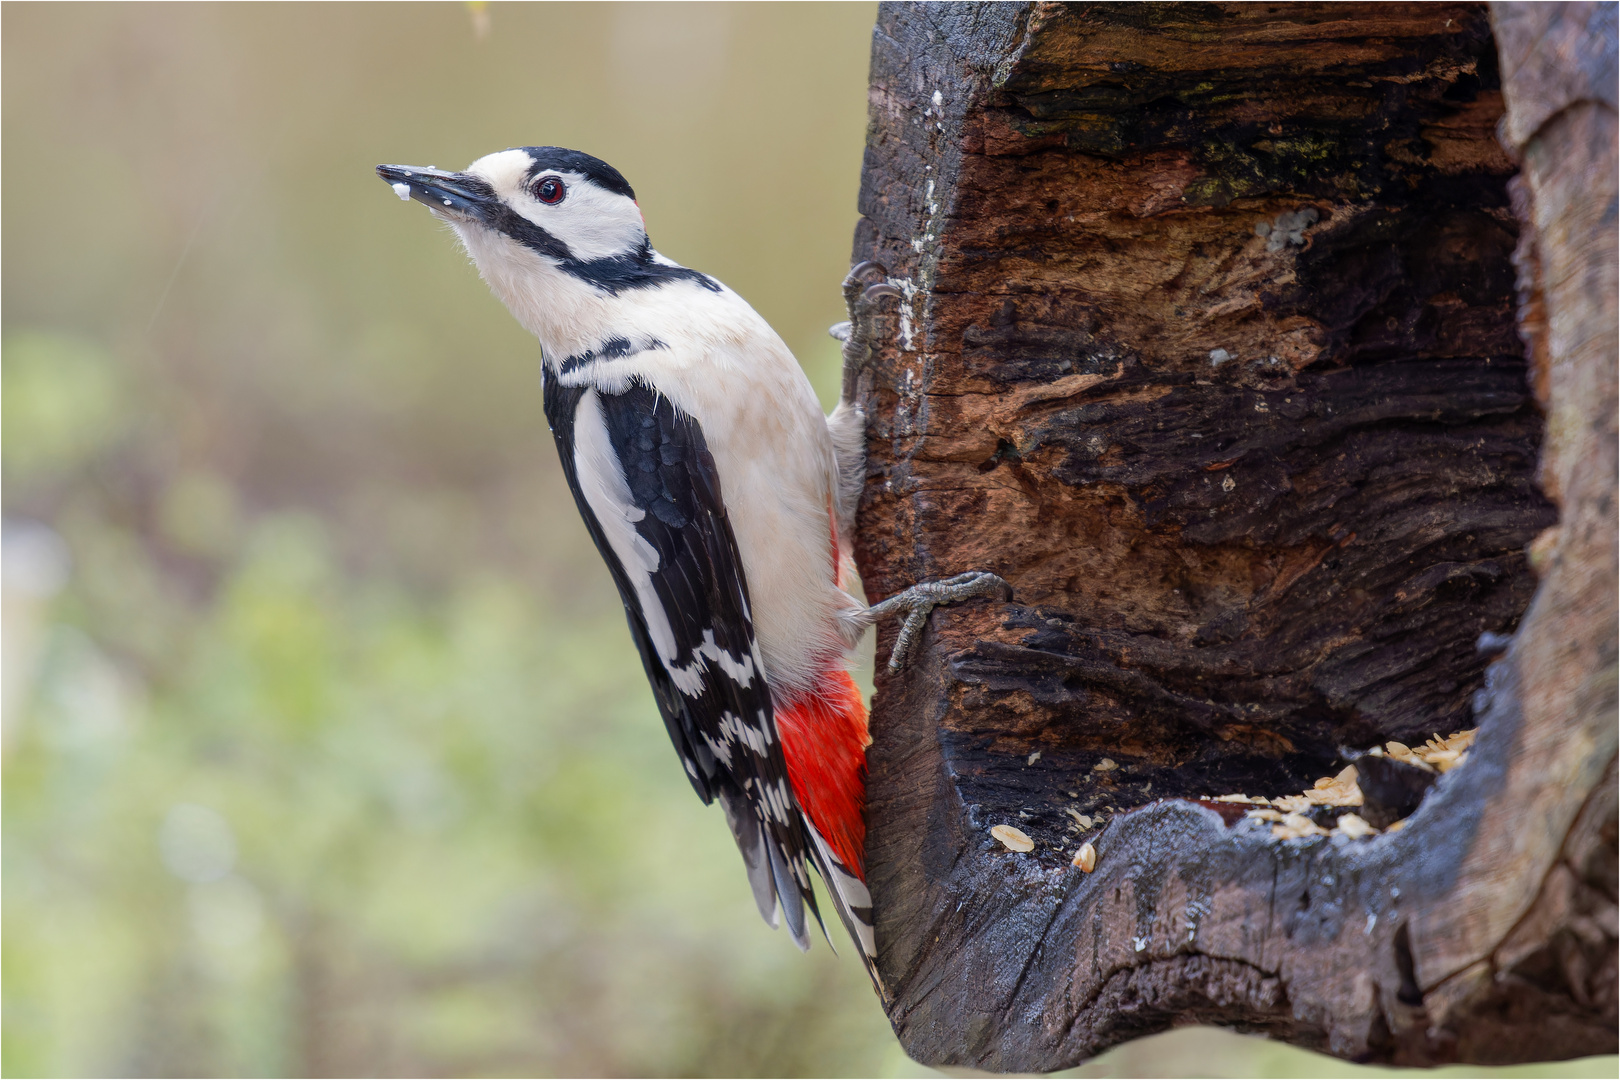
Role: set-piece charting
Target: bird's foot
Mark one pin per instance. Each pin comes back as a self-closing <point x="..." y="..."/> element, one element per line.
<point x="921" y="599"/>
<point x="861" y="295"/>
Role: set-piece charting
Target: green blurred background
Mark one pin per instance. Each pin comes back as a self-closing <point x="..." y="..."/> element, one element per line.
<point x="326" y="751"/>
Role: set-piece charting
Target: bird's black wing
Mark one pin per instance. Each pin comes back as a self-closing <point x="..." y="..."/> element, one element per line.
<point x="646" y="485"/>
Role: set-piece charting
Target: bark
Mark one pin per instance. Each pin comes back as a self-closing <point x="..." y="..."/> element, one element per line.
<point x="1209" y="348"/>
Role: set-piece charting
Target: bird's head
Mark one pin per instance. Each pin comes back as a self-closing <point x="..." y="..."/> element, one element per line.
<point x="560" y="204"/>
<point x="556" y="234"/>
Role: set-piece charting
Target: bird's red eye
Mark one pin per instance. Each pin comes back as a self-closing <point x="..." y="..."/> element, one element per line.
<point x="550" y="190"/>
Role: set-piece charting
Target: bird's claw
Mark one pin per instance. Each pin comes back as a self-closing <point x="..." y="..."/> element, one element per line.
<point x="860" y="270"/>
<point x="921" y="599"/>
<point x="860" y="293"/>
<point x="857" y="287"/>
<point x="876" y="291"/>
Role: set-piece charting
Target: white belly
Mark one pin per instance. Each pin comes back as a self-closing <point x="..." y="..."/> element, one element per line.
<point x="775" y="458"/>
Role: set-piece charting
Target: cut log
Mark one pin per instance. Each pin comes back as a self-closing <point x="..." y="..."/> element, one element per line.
<point x="1208" y="347"/>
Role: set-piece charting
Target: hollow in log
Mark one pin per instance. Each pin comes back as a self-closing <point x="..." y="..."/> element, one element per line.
<point x="1209" y="346"/>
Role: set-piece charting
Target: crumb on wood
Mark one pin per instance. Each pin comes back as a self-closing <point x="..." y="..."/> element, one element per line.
<point x="1286" y="813"/>
<point x="1295" y="827"/>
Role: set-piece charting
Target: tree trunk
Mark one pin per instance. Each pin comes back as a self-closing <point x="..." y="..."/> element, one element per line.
<point x="1208" y="347"/>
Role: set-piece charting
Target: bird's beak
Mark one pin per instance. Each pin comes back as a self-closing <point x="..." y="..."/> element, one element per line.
<point x="458" y="193"/>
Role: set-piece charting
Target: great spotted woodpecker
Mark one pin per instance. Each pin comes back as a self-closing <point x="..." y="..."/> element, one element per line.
<point x="720" y="496"/>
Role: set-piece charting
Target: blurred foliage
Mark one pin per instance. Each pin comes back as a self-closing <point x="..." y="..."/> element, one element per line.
<point x="332" y="756"/>
<point x="63" y="403"/>
<point x="326" y="750"/>
<point x="352" y="831"/>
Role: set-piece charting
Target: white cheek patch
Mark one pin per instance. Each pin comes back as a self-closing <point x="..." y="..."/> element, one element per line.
<point x="593" y="222"/>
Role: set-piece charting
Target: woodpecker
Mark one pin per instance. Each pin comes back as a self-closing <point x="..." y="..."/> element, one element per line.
<point x="720" y="497"/>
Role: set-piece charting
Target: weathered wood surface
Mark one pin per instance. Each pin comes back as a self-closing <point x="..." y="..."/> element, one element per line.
<point x="1209" y="349"/>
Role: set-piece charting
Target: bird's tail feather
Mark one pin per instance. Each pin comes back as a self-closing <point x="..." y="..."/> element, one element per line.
<point x="853" y="902"/>
<point x="771" y="872"/>
<point x="788" y="892"/>
<point x="751" y="842"/>
<point x="824" y="739"/>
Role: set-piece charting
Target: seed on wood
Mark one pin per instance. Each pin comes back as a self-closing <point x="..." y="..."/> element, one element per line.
<point x="1086" y="858"/>
<point x="1436" y="755"/>
<point x="1296" y="826"/>
<point x="1354" y="826"/>
<point x="1012" y="839"/>
<point x="1105" y="765"/>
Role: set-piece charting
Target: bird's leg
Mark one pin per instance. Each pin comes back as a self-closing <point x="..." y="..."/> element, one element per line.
<point x="919" y="600"/>
<point x="847" y="424"/>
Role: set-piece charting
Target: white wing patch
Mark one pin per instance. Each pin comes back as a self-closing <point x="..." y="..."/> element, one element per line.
<point x="690" y="678"/>
<point x="777" y="804"/>
<point x="733" y="731"/>
<point x="736" y="729"/>
<point x="601" y="481"/>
